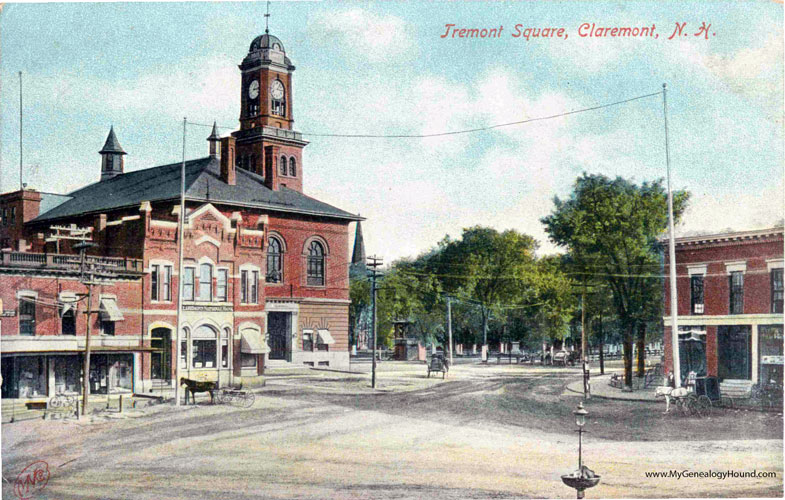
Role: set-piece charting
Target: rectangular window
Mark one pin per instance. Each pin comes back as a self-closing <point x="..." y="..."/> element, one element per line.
<point x="254" y="292"/>
<point x="244" y="287"/>
<point x="776" y="291"/>
<point x="224" y="353"/>
<point x="167" y="283"/>
<point x="188" y="283"/>
<point x="736" y="281"/>
<point x="5" y="216"/>
<point x="68" y="322"/>
<point x="248" y="360"/>
<point x="696" y="286"/>
<point x="13" y="215"/>
<point x="204" y="353"/>
<point x="155" y="276"/>
<point x="307" y="340"/>
<point x="107" y="327"/>
<point x="220" y="288"/>
<point x="26" y="316"/>
<point x="206" y="282"/>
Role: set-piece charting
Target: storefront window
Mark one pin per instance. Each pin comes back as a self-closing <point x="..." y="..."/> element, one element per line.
<point x="771" y="355"/>
<point x="31" y="374"/>
<point x="692" y="351"/>
<point x="120" y="372"/>
<point x="67" y="374"/>
<point x="204" y="347"/>
<point x="248" y="360"/>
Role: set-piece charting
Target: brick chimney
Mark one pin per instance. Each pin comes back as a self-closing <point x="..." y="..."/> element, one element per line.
<point x="271" y="167"/>
<point x="228" y="172"/>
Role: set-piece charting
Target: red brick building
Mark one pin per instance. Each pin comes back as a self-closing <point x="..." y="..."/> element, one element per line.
<point x="730" y="297"/>
<point x="265" y="268"/>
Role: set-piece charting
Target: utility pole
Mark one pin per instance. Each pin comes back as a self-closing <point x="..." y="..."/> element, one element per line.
<point x="584" y="359"/>
<point x="21" y="184"/>
<point x="86" y="279"/>
<point x="449" y="325"/>
<point x="373" y="263"/>
<point x="180" y="271"/>
<point x="671" y="253"/>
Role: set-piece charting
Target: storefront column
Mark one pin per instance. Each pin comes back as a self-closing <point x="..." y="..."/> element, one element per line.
<point x="754" y="353"/>
<point x="137" y="381"/>
<point x="51" y="390"/>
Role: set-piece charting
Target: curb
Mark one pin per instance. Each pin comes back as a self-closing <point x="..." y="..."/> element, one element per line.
<point x="613" y="398"/>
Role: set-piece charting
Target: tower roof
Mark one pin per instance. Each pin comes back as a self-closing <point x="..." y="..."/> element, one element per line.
<point x="112" y="145"/>
<point x="214" y="134"/>
<point x="266" y="41"/>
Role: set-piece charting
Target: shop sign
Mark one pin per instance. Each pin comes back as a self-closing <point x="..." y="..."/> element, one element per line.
<point x="207" y="308"/>
<point x="771" y="360"/>
<point x="8" y="314"/>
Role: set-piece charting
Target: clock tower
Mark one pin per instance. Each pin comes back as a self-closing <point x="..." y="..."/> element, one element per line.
<point x="266" y="142"/>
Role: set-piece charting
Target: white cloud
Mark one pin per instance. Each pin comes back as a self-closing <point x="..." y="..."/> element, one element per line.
<point x="374" y="37"/>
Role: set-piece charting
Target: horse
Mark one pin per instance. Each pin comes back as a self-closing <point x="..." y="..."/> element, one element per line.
<point x="194" y="386"/>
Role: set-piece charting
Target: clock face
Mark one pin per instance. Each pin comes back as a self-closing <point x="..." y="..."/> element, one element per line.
<point x="253" y="89"/>
<point x="276" y="89"/>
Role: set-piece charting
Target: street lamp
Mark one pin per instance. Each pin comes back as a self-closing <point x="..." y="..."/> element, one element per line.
<point x="583" y="478"/>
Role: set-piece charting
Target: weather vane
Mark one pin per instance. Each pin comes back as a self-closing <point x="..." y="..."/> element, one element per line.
<point x="267" y="19"/>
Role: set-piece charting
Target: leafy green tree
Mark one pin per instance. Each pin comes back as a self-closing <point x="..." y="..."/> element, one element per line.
<point x="611" y="228"/>
<point x="486" y="267"/>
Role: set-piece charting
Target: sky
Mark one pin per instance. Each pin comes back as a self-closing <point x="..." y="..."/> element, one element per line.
<point x="385" y="69"/>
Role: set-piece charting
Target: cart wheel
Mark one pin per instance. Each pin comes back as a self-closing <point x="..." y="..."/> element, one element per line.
<point x="704" y="406"/>
<point x="727" y="402"/>
<point x="248" y="400"/>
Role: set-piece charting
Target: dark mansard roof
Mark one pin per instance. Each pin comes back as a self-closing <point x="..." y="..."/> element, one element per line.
<point x="202" y="183"/>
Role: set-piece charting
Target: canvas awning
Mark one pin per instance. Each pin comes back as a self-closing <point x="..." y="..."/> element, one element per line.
<point x="252" y="343"/>
<point x="325" y="337"/>
<point x="67" y="302"/>
<point x="692" y="335"/>
<point x="109" y="310"/>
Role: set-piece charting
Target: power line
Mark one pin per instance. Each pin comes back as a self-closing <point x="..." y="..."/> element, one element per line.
<point x="464" y="131"/>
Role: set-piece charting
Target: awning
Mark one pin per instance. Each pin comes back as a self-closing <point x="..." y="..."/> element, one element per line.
<point x="67" y="302"/>
<point x="109" y="310"/>
<point x="252" y="343"/>
<point x="325" y="337"/>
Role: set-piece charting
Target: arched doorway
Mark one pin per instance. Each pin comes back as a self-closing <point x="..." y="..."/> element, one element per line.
<point x="161" y="357"/>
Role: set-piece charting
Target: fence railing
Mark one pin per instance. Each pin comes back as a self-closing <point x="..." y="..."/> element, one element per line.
<point x="69" y="262"/>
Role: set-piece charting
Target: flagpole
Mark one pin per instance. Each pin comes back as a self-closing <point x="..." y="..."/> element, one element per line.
<point x="672" y="253"/>
<point x="180" y="237"/>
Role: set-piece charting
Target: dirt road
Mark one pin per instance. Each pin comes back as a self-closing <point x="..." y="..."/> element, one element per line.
<point x="485" y="432"/>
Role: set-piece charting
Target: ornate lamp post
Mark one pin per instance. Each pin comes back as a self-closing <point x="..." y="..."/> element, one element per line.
<point x="583" y="478"/>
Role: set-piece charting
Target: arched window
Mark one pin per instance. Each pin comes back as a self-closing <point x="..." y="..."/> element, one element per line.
<point x="204" y="347"/>
<point x="315" y="264"/>
<point x="205" y="282"/>
<point x="283" y="165"/>
<point x="274" y="261"/>
<point x="292" y="167"/>
<point x="68" y="325"/>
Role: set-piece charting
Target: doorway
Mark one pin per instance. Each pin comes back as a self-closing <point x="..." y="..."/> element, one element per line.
<point x="161" y="357"/>
<point x="735" y="352"/>
<point x="279" y="324"/>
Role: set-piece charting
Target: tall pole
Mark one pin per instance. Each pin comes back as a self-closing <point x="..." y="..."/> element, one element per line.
<point x="21" y="184"/>
<point x="373" y="264"/>
<point x="671" y="252"/>
<point x="86" y="374"/>
<point x="449" y="325"/>
<point x="583" y="340"/>
<point x="180" y="238"/>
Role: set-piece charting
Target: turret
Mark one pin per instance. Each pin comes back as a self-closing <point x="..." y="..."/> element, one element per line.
<point x="112" y="162"/>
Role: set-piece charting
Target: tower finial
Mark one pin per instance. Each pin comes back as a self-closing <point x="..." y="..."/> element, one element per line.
<point x="267" y="19"/>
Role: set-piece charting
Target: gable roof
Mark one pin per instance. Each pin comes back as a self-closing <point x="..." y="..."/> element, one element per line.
<point x="202" y="183"/>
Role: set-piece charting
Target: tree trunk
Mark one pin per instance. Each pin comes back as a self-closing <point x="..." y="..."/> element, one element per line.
<point x="628" y="336"/>
<point x="484" y="327"/>
<point x="602" y="346"/>
<point x="641" y="349"/>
